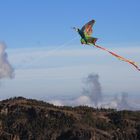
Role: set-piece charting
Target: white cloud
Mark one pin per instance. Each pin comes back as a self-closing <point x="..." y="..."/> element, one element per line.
<point x="43" y="57"/>
<point x="82" y="100"/>
<point x="6" y="70"/>
<point x="56" y="102"/>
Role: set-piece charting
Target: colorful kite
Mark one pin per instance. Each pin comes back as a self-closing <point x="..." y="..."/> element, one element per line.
<point x="85" y="33"/>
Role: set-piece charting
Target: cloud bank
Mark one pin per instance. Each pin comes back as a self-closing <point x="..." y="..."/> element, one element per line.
<point x="92" y="96"/>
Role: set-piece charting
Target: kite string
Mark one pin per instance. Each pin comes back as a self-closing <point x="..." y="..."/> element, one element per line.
<point x="119" y="57"/>
<point x="32" y="59"/>
<point x="61" y="46"/>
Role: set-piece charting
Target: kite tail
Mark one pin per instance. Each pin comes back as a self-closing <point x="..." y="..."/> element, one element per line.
<point x="120" y="57"/>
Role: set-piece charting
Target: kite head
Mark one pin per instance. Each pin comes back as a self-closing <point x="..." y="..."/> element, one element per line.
<point x="76" y="29"/>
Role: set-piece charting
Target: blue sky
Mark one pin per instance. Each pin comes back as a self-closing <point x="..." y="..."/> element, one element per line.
<point x="32" y="27"/>
<point x="48" y="22"/>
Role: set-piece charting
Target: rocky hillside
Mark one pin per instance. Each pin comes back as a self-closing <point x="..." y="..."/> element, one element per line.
<point x="27" y="119"/>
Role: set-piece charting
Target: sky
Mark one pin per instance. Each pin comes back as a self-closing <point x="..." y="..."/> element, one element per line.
<point x="47" y="57"/>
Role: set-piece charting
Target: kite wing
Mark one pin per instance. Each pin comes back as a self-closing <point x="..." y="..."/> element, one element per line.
<point x="87" y="28"/>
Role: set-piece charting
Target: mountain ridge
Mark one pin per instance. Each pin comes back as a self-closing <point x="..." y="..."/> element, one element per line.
<point x="29" y="119"/>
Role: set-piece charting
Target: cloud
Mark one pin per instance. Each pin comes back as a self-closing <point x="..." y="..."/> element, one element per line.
<point x="121" y="103"/>
<point x="93" y="88"/>
<point x="92" y="96"/>
<point x="43" y="57"/>
<point x="124" y="103"/>
<point x="49" y="57"/>
<point x="6" y="70"/>
<point x="56" y="102"/>
<point x="83" y="100"/>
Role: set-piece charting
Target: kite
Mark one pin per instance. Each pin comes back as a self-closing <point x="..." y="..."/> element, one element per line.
<point x="86" y="38"/>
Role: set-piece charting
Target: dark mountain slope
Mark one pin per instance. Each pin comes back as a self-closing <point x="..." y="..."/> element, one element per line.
<point x="27" y="119"/>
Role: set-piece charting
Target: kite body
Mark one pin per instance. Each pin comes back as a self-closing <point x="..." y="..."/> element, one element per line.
<point x="85" y="33"/>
